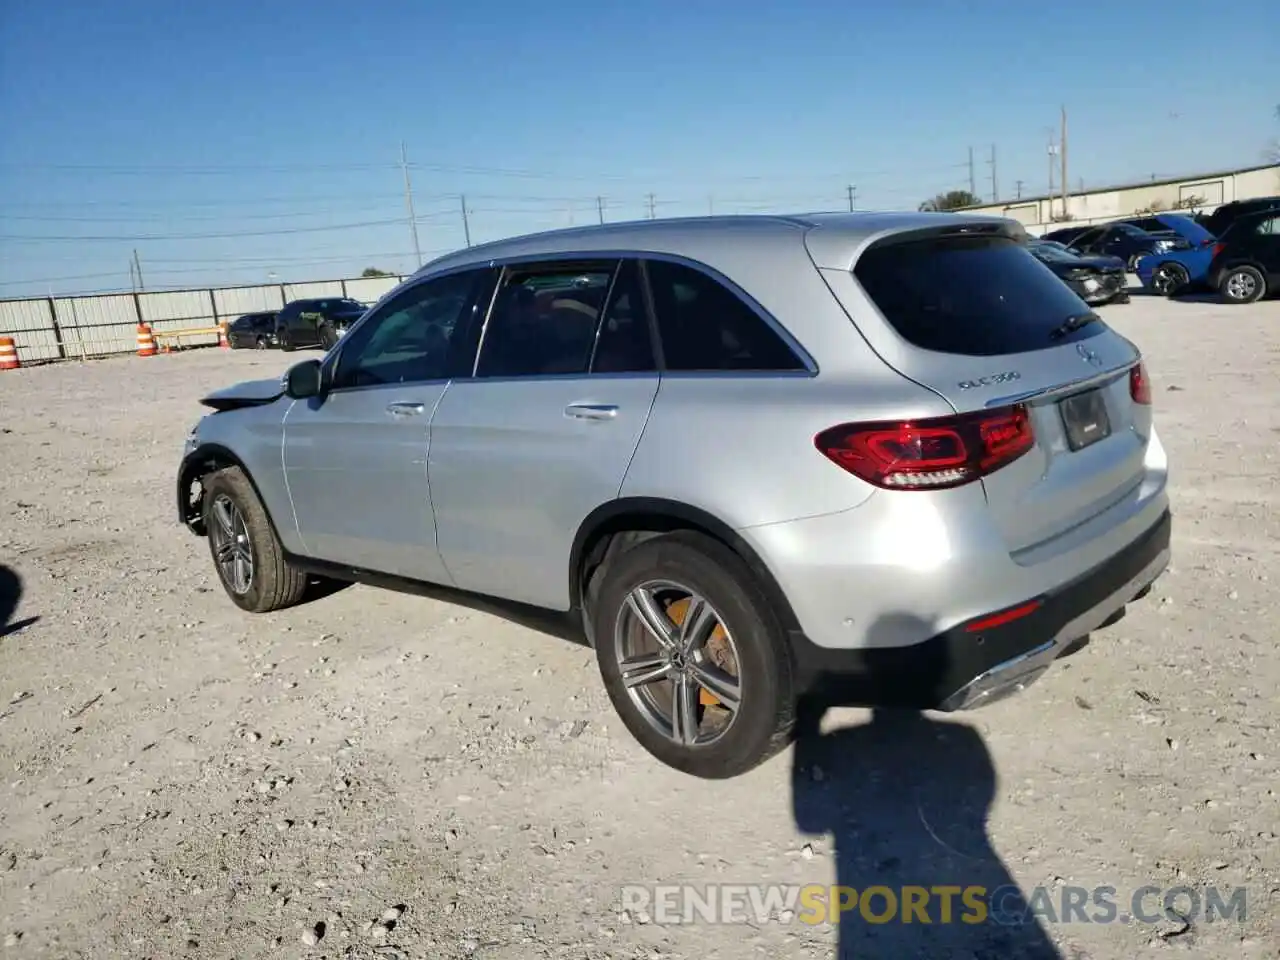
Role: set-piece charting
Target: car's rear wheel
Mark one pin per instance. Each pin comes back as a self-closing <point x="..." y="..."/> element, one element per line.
<point x="261" y="343"/>
<point x="1243" y="285"/>
<point x="327" y="337"/>
<point x="1169" y="278"/>
<point x="286" y="342"/>
<point x="1133" y="262"/>
<point x="692" y="657"/>
<point x="247" y="554"/>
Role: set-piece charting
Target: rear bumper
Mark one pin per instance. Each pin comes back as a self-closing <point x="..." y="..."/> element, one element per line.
<point x="965" y="668"/>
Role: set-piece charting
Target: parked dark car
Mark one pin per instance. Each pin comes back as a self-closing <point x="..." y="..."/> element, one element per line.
<point x="1246" y="262"/>
<point x="1095" y="280"/>
<point x="253" y="331"/>
<point x="319" y="322"/>
<point x="1126" y="242"/>
<point x="1221" y="218"/>
<point x="1065" y="235"/>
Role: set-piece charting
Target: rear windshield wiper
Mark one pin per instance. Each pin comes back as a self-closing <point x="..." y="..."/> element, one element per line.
<point x="1072" y="324"/>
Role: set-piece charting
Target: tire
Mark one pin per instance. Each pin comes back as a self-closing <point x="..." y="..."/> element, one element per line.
<point x="1133" y="262"/>
<point x="261" y="343"/>
<point x="327" y="338"/>
<point x="762" y="723"/>
<point x="273" y="583"/>
<point x="286" y="344"/>
<point x="1168" y="278"/>
<point x="1242" y="285"/>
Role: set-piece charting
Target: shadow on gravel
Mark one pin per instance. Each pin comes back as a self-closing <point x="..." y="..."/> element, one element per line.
<point x="905" y="798"/>
<point x="10" y="594"/>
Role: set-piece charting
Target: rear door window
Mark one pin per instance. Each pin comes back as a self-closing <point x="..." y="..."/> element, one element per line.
<point x="978" y="296"/>
<point x="705" y="326"/>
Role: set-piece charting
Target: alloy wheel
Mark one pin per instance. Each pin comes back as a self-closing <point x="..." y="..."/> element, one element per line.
<point x="1166" y="279"/>
<point x="232" y="550"/>
<point x="678" y="663"/>
<point x="1241" y="286"/>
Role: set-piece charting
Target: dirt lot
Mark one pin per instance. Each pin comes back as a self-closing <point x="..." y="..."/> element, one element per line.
<point x="180" y="779"/>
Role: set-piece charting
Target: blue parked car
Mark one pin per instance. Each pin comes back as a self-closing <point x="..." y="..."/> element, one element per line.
<point x="1181" y="224"/>
<point x="1179" y="271"/>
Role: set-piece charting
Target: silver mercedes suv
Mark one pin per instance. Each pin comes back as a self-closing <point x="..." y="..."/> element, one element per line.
<point x="878" y="459"/>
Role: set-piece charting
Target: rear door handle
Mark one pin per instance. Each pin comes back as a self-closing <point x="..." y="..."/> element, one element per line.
<point x="591" y="411"/>
<point x="406" y="409"/>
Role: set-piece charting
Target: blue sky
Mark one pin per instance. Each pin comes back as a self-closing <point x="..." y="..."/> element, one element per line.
<point x="231" y="141"/>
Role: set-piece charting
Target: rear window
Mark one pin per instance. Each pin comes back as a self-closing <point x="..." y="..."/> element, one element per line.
<point x="980" y="296"/>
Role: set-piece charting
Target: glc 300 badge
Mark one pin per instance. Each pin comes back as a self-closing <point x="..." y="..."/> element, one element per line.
<point x="991" y="381"/>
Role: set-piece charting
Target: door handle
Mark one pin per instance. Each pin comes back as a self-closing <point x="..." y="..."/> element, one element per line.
<point x="591" y="411"/>
<point x="406" y="409"/>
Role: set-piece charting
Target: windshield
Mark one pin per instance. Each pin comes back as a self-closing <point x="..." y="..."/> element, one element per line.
<point x="1053" y="253"/>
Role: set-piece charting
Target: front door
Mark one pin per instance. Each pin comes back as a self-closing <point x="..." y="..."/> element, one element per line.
<point x="543" y="433"/>
<point x="355" y="459"/>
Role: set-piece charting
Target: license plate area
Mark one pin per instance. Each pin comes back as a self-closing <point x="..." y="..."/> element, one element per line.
<point x="1085" y="419"/>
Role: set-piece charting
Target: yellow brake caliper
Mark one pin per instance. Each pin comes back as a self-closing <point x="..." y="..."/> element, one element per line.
<point x="676" y="611"/>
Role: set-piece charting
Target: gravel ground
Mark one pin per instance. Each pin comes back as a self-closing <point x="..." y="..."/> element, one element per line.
<point x="423" y="779"/>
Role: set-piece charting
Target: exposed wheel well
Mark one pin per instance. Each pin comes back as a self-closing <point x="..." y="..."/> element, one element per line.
<point x="198" y="465"/>
<point x="620" y="525"/>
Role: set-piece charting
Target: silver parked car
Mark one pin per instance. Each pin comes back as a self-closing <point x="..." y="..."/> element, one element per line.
<point x="877" y="459"/>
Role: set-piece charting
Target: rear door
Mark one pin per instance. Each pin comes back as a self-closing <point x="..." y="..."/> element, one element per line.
<point x="1267" y="242"/>
<point x="980" y="321"/>
<point x="543" y="433"/>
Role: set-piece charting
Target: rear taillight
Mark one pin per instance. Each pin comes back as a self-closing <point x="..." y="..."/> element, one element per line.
<point x="1218" y="248"/>
<point x="1139" y="385"/>
<point x="931" y="454"/>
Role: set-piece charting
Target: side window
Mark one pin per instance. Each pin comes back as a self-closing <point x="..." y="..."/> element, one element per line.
<point x="704" y="326"/>
<point x="623" y="343"/>
<point x="1270" y="228"/>
<point x="544" y="320"/>
<point x="410" y="338"/>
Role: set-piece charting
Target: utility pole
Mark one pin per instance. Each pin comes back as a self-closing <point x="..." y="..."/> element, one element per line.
<point x="1065" y="182"/>
<point x="1053" y="153"/>
<point x="600" y="208"/>
<point x="133" y="277"/>
<point x="408" y="199"/>
<point x="973" y="184"/>
<point x="651" y="204"/>
<point x="1019" y="185"/>
<point x="466" y="224"/>
<point x="852" y="191"/>
<point x="995" y="189"/>
<point x="137" y="265"/>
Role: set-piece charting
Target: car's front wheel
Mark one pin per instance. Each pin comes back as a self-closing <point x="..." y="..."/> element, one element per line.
<point x="1243" y="285"/>
<point x="246" y="552"/>
<point x="286" y="342"/>
<point x="1133" y="262"/>
<point x="1169" y="278"/>
<point x="692" y="657"/>
<point x="261" y="343"/>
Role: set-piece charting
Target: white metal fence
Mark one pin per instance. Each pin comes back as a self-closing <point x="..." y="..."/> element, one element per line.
<point x="67" y="328"/>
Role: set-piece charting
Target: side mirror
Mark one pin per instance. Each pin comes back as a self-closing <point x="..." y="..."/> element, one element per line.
<point x="303" y="380"/>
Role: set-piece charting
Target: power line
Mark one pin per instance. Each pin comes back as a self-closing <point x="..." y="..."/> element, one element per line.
<point x="201" y="236"/>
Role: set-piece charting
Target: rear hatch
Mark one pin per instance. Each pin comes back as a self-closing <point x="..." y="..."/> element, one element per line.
<point x="973" y="316"/>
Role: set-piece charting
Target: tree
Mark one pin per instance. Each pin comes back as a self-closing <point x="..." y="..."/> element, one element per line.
<point x="375" y="272"/>
<point x="951" y="200"/>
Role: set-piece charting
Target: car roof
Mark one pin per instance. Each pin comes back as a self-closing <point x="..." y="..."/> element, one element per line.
<point x="833" y="239"/>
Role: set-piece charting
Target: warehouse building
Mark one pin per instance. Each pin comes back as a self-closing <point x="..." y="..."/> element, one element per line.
<point x="1201" y="192"/>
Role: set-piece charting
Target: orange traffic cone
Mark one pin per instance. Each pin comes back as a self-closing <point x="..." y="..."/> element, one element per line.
<point x="223" y="342"/>
<point x="146" y="342"/>
<point x="8" y="354"/>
